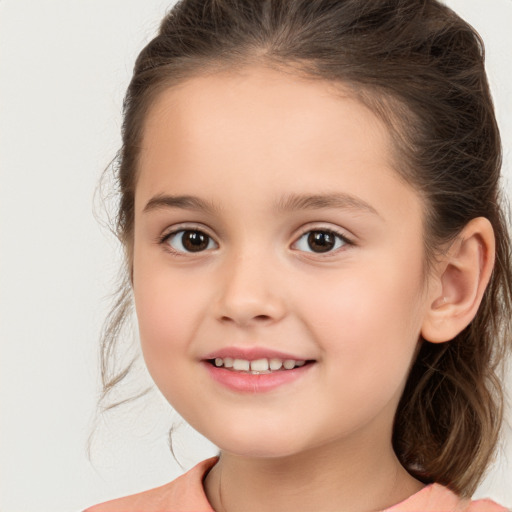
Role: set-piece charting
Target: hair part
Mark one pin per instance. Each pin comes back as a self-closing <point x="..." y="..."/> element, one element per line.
<point x="419" y="67"/>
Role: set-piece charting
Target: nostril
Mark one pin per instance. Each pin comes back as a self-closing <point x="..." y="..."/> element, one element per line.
<point x="262" y="317"/>
<point x="257" y="318"/>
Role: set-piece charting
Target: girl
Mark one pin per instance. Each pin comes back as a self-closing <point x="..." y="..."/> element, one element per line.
<point x="310" y="207"/>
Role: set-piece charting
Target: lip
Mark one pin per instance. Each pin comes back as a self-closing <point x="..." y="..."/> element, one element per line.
<point x="252" y="354"/>
<point x="242" y="382"/>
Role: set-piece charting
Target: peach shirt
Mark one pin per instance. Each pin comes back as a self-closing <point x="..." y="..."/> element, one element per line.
<point x="186" y="494"/>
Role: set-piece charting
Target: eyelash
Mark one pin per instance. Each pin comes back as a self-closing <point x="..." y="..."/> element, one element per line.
<point x="164" y="240"/>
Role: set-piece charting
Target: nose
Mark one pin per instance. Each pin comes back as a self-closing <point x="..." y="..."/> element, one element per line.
<point x="250" y="292"/>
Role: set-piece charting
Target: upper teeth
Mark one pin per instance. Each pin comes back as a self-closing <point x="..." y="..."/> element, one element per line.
<point x="258" y="365"/>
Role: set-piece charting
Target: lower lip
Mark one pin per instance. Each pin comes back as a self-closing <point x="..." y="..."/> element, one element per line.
<point x="255" y="383"/>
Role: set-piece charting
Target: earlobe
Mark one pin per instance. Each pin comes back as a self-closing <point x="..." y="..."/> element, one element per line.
<point x="460" y="282"/>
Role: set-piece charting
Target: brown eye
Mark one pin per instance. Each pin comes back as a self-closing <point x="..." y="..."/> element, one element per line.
<point x="320" y="241"/>
<point x="189" y="240"/>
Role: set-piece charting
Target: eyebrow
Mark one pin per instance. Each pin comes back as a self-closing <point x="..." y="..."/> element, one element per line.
<point x="287" y="203"/>
<point x="162" y="201"/>
<point x="319" y="201"/>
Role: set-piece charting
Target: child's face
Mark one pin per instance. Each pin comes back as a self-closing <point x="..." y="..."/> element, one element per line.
<point x="274" y="168"/>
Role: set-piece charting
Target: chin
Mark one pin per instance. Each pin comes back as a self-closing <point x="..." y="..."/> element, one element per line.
<point x="262" y="434"/>
<point x="261" y="445"/>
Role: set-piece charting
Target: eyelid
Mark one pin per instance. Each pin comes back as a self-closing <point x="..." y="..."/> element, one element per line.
<point x="184" y="226"/>
<point x="322" y="226"/>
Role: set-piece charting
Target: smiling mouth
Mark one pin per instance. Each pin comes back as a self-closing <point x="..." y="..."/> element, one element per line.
<point x="258" y="366"/>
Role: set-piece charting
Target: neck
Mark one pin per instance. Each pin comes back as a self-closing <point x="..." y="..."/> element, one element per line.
<point x="327" y="478"/>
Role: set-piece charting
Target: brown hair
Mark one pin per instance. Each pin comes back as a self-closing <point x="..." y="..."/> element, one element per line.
<point x="421" y="68"/>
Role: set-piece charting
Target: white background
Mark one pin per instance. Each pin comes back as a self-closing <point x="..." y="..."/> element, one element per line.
<point x="64" y="67"/>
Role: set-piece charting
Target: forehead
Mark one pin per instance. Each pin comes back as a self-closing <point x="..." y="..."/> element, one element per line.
<point x="258" y="106"/>
<point x="260" y="124"/>
<point x="256" y="97"/>
<point x="278" y="89"/>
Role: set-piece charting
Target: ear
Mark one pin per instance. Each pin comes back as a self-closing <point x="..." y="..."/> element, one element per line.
<point x="459" y="282"/>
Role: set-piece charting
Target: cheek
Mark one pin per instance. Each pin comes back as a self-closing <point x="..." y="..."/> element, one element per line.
<point x="369" y="318"/>
<point x="168" y="307"/>
<point x="166" y="318"/>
